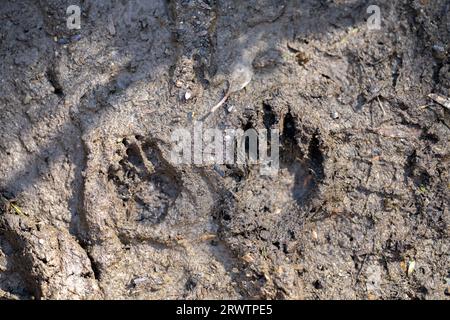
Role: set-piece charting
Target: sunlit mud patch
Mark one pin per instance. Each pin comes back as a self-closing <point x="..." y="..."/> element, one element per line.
<point x="146" y="184"/>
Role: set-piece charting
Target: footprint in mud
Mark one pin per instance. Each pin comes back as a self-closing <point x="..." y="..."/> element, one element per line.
<point x="275" y="207"/>
<point x="299" y="169"/>
<point x="266" y="214"/>
<point x="145" y="182"/>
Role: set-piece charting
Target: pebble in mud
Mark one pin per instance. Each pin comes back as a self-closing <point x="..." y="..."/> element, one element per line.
<point x="334" y="115"/>
<point x="139" y="281"/>
<point x="439" y="52"/>
<point x="75" y="38"/>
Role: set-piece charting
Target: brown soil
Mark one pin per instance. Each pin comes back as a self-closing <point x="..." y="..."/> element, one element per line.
<point x="359" y="209"/>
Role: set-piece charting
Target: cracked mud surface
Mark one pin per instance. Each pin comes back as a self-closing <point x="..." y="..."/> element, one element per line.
<point x="86" y="121"/>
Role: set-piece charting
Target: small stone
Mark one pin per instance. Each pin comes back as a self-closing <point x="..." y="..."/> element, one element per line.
<point x="41" y="241"/>
<point x="63" y="41"/>
<point x="318" y="285"/>
<point x="27" y="99"/>
<point x="75" y="38"/>
<point x="230" y="109"/>
<point x="187" y="95"/>
<point x="207" y="237"/>
<point x="138" y="281"/>
<point x="334" y="115"/>
<point x="264" y="234"/>
<point x="439" y="52"/>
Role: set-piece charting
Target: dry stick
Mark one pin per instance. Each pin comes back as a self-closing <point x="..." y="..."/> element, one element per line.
<point x="224" y="99"/>
<point x="239" y="79"/>
<point x="217" y="106"/>
<point x="443" y="101"/>
<point x="381" y="106"/>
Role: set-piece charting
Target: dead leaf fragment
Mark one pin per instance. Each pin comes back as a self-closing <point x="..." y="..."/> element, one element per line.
<point x="403" y="266"/>
<point x="248" y="258"/>
<point x="207" y="237"/>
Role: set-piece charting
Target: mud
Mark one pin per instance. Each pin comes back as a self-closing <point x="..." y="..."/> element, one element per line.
<point x="93" y="208"/>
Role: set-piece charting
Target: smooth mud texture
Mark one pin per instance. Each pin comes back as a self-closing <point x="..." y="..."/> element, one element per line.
<point x="93" y="208"/>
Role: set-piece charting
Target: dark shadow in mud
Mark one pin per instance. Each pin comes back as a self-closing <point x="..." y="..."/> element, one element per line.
<point x="10" y="280"/>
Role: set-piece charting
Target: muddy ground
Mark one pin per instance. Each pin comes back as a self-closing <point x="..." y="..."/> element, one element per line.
<point x="92" y="207"/>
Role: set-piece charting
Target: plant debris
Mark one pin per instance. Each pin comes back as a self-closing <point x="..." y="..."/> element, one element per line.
<point x="443" y="101"/>
<point x="241" y="76"/>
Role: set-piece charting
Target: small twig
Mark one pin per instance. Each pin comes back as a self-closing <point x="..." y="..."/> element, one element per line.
<point x="381" y="106"/>
<point x="17" y="209"/>
<point x="239" y="79"/>
<point x="224" y="99"/>
<point x="218" y="105"/>
<point x="443" y="101"/>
